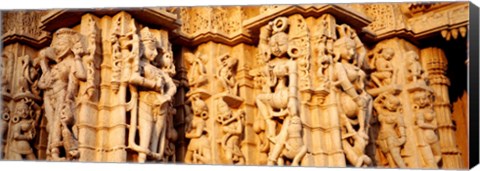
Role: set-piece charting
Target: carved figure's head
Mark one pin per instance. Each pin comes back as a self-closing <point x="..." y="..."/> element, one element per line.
<point x="199" y="106"/>
<point x="63" y="41"/>
<point x="391" y="102"/>
<point x="279" y="44"/>
<point x="422" y="98"/>
<point x="224" y="109"/>
<point x="344" y="48"/>
<point x="22" y="110"/>
<point x="387" y="53"/>
<point x="412" y="56"/>
<point x="149" y="44"/>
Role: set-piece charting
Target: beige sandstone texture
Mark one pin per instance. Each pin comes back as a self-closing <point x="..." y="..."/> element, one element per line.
<point x="326" y="85"/>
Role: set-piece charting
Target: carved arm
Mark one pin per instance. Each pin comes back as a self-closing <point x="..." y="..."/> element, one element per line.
<point x="198" y="130"/>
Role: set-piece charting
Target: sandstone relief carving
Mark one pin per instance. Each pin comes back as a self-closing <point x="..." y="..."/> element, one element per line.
<point x="392" y="134"/>
<point x="59" y="81"/>
<point x="309" y="85"/>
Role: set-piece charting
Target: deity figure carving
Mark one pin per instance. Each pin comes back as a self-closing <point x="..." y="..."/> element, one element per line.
<point x="289" y="143"/>
<point x="389" y="111"/>
<point x="155" y="92"/>
<point x="426" y="127"/>
<point x="415" y="70"/>
<point x="232" y="127"/>
<point x="60" y="82"/>
<point x="226" y="73"/>
<point x="197" y="74"/>
<point x="22" y="132"/>
<point x="282" y="101"/>
<point x="198" y="151"/>
<point x="350" y="79"/>
<point x="382" y="63"/>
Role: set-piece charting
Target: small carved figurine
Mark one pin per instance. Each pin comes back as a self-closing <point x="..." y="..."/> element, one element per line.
<point x="384" y="68"/>
<point x="232" y="128"/>
<point x="198" y="151"/>
<point x="23" y="131"/>
<point x="391" y="121"/>
<point x="427" y="123"/>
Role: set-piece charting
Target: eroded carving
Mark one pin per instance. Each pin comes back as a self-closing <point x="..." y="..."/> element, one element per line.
<point x="392" y="134"/>
<point x="60" y="82"/>
<point x="198" y="151"/>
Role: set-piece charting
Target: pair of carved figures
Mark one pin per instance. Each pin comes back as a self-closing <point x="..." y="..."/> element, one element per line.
<point x="388" y="106"/>
<point x="152" y="88"/>
<point x="340" y="62"/>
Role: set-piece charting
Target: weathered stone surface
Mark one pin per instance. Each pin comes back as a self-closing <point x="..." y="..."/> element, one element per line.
<point x="350" y="85"/>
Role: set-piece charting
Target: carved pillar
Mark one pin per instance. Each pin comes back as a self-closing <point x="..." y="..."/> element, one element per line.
<point x="21" y="39"/>
<point x="89" y="91"/>
<point x="435" y="62"/>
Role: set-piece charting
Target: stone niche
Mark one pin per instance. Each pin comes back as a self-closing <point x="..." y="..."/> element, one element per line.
<point x="326" y="85"/>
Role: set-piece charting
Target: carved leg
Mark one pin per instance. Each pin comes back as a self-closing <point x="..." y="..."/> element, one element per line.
<point x="265" y="109"/>
<point x="299" y="156"/>
<point x="158" y="136"/>
<point x="145" y="129"/>
<point x="437" y="153"/>
<point x="395" y="152"/>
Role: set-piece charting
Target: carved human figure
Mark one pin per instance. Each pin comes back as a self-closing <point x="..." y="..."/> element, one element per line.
<point x="155" y="95"/>
<point x="389" y="112"/>
<point x="289" y="144"/>
<point x="225" y="74"/>
<point x="353" y="100"/>
<point x="198" y="151"/>
<point x="23" y="131"/>
<point x="384" y="68"/>
<point x="353" y="143"/>
<point x="197" y="75"/>
<point x="427" y="124"/>
<point x="60" y="81"/>
<point x="232" y="128"/>
<point x="415" y="70"/>
<point x="277" y="72"/>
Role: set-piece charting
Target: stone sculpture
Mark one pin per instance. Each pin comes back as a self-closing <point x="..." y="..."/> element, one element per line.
<point x="383" y="67"/>
<point x="426" y="127"/>
<point x="23" y="130"/>
<point x="226" y="73"/>
<point x="415" y="70"/>
<point x="60" y="82"/>
<point x="290" y="85"/>
<point x="198" y="151"/>
<point x="232" y="127"/>
<point x="155" y="95"/>
<point x="389" y="142"/>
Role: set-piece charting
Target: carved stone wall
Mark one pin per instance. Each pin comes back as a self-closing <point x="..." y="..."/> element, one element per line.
<point x="355" y="85"/>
